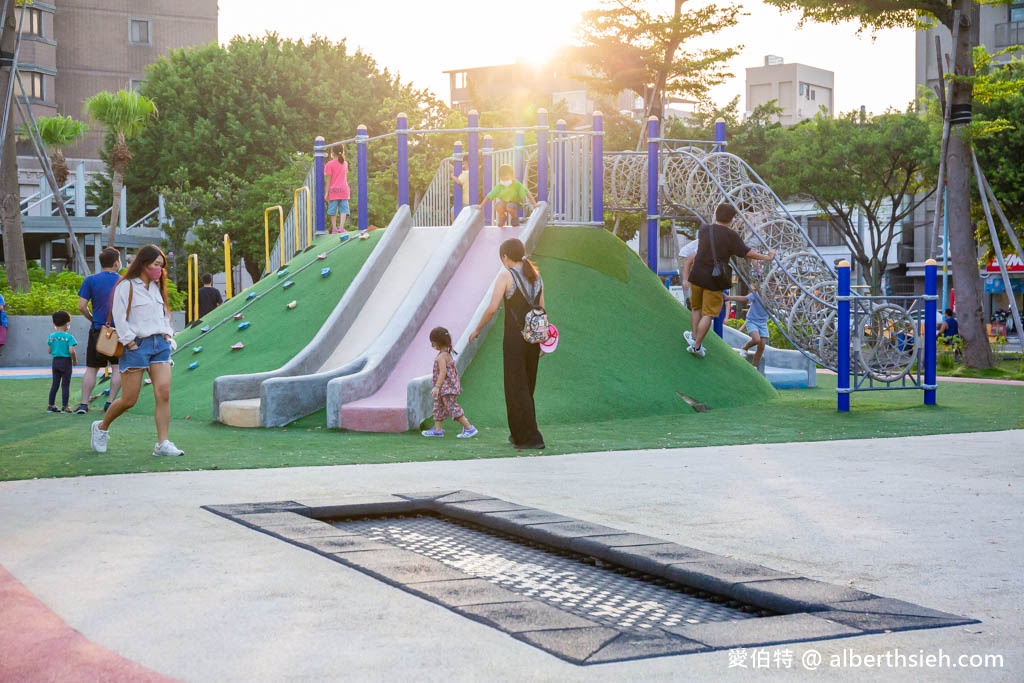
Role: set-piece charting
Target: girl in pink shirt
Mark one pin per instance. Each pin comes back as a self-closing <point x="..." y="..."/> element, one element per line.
<point x="337" y="192"/>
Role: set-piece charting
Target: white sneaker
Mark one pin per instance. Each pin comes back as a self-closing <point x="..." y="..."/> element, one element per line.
<point x="699" y="352"/>
<point x="98" y="441"/>
<point x="165" y="447"/>
<point x="688" y="336"/>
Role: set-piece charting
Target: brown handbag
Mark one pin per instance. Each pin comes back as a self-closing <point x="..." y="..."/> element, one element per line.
<point x="107" y="343"/>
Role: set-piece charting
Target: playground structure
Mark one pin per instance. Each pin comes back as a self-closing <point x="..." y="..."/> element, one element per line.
<point x="351" y="364"/>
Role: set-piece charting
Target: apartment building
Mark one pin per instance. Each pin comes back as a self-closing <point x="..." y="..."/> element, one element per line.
<point x="72" y="49"/>
<point x="800" y="90"/>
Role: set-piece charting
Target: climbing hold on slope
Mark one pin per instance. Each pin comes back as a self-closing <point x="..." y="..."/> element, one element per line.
<point x="197" y="349"/>
<point x="244" y="326"/>
<point x="364" y="235"/>
<point x="292" y="305"/>
<point x="324" y="272"/>
<point x="205" y="328"/>
<point x="344" y="237"/>
<point x="282" y="272"/>
<point x="288" y="284"/>
<point x="252" y="295"/>
<point x="238" y="316"/>
<point x="193" y="365"/>
<point x="237" y="346"/>
<point x="322" y="255"/>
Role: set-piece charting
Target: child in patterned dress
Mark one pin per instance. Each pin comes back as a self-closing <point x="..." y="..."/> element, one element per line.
<point x="447" y="387"/>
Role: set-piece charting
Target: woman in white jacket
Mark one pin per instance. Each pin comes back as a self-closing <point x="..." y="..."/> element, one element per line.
<point x="143" y="322"/>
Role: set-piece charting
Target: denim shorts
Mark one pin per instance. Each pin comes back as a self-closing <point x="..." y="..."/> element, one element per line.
<point x="762" y="328"/>
<point x="150" y="350"/>
<point x="337" y="206"/>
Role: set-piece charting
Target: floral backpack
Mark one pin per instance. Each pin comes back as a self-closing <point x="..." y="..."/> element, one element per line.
<point x="535" y="322"/>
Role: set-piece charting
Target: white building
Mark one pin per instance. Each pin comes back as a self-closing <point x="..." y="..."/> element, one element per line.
<point x="800" y="90"/>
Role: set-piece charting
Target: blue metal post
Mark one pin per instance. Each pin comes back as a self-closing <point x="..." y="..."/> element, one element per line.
<point x="597" y="170"/>
<point x="403" y="160"/>
<point x="652" y="193"/>
<point x="720" y="134"/>
<point x="319" y="154"/>
<point x="362" y="143"/>
<point x="930" y="331"/>
<point x="542" y="155"/>
<point x="488" y="176"/>
<point x="456" y="188"/>
<point x="843" y="335"/>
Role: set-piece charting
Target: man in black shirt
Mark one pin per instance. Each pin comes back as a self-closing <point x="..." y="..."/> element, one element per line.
<point x="706" y="286"/>
<point x="209" y="296"/>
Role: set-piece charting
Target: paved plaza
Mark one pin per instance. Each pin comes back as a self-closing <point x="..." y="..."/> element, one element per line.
<point x="136" y="565"/>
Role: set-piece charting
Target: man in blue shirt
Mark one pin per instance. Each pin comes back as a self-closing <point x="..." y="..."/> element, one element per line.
<point x="97" y="290"/>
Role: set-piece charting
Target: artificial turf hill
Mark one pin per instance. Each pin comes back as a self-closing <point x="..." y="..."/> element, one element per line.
<point x="620" y="354"/>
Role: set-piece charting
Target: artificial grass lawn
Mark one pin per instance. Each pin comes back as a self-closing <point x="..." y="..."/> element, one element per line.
<point x="35" y="444"/>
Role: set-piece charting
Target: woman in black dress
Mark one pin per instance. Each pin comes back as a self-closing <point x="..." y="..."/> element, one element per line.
<point x="520" y="357"/>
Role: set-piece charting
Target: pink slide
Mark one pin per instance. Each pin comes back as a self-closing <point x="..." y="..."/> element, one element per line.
<point x="387" y="409"/>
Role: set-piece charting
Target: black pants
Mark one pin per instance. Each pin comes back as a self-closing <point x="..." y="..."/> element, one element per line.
<point x="520" y="365"/>
<point x="62" y="379"/>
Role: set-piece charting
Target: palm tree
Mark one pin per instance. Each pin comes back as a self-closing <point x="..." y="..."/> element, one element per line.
<point x="58" y="132"/>
<point x="125" y="114"/>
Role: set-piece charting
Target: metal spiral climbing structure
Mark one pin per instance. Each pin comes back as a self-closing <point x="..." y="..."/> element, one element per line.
<point x="799" y="286"/>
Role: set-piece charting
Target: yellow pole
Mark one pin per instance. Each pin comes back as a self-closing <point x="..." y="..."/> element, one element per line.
<point x="298" y="228"/>
<point x="188" y="280"/>
<point x="229" y="280"/>
<point x="266" y="233"/>
<point x="193" y="285"/>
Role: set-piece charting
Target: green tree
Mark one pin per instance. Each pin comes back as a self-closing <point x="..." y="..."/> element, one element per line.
<point x="247" y="107"/>
<point x="58" y="132"/>
<point x="881" y="14"/>
<point x="879" y="169"/>
<point x="125" y="114"/>
<point x="626" y="46"/>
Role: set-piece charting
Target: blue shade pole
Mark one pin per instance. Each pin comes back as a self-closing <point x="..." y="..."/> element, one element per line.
<point x="843" y="335"/>
<point x="488" y="176"/>
<point x="930" y="332"/>
<point x="720" y="134"/>
<point x="473" y="157"/>
<point x="403" y="160"/>
<point x="597" y="170"/>
<point x="362" y="142"/>
<point x="652" y="194"/>
<point x="542" y="155"/>
<point x="319" y="153"/>
<point x="457" y="171"/>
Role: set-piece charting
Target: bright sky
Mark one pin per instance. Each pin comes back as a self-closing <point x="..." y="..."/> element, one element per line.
<point x="421" y="40"/>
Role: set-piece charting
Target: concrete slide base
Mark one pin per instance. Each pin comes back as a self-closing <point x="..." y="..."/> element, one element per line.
<point x="241" y="413"/>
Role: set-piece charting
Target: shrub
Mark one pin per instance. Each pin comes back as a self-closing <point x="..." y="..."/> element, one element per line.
<point x="53" y="291"/>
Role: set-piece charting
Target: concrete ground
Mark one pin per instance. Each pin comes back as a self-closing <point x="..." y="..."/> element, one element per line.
<point x="136" y="566"/>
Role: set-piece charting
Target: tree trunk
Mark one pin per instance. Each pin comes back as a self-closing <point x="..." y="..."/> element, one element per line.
<point x="963" y="245"/>
<point x="117" y="185"/>
<point x="10" y="195"/>
<point x="252" y="266"/>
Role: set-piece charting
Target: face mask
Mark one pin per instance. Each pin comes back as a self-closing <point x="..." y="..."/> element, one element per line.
<point x="506" y="183"/>
<point x="154" y="272"/>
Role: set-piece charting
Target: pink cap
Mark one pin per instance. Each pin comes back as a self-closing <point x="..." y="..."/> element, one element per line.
<point x="552" y="341"/>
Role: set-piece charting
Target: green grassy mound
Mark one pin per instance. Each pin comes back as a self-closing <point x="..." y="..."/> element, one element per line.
<point x="275" y="333"/>
<point x="621" y="352"/>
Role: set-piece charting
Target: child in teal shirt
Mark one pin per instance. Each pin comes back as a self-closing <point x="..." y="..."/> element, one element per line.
<point x="62" y="347"/>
